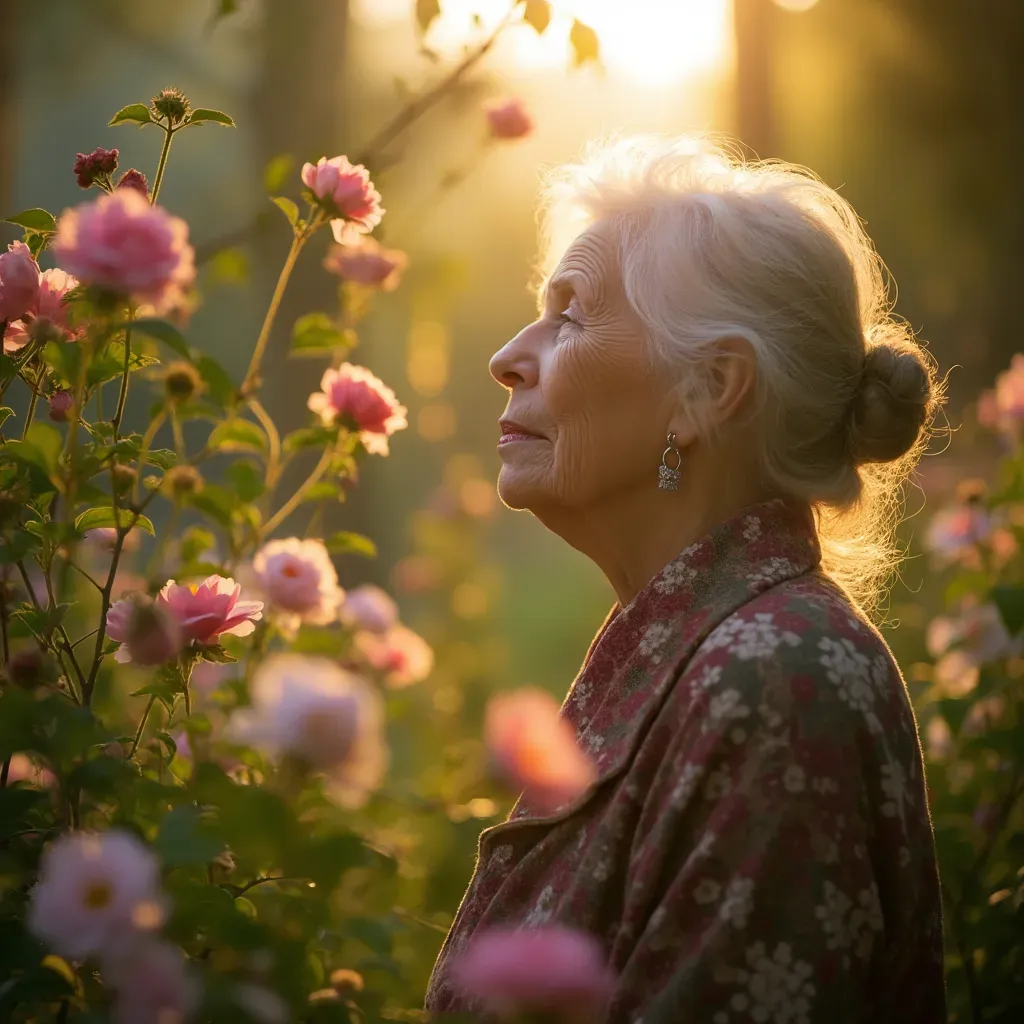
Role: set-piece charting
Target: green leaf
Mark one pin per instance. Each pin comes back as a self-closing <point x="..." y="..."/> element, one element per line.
<point x="134" y="112"/>
<point x="110" y="364"/>
<point x="317" y="334"/>
<point x="537" y="14"/>
<point x="230" y="266"/>
<point x="96" y="518"/>
<point x="65" y="360"/>
<point x="161" y="330"/>
<point x="224" y="9"/>
<point x="162" y="457"/>
<point x="288" y="207"/>
<point x="195" y="542"/>
<point x="585" y="44"/>
<point x="1010" y="602"/>
<point x="324" y="490"/>
<point x="34" y="220"/>
<point x="347" y="543"/>
<point x="216" y="654"/>
<point x="185" y="839"/>
<point x="203" y="114"/>
<point x="215" y="501"/>
<point x="309" y="437"/>
<point x="48" y="442"/>
<point x="426" y="12"/>
<point x="237" y="436"/>
<point x="6" y="412"/>
<point x="246" y="478"/>
<point x="277" y="172"/>
<point x="221" y="388"/>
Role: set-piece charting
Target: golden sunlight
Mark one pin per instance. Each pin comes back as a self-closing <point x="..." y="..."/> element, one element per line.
<point x="651" y="42"/>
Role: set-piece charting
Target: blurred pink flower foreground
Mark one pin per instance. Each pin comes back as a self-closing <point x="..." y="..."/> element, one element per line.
<point x="19" y="282"/>
<point x="1002" y="408"/>
<point x="508" y="119"/>
<point x="299" y="581"/>
<point x="534" y="749"/>
<point x="554" y="970"/>
<point x="353" y="395"/>
<point x="344" y="189"/>
<point x="123" y="245"/>
<point x="365" y="261"/>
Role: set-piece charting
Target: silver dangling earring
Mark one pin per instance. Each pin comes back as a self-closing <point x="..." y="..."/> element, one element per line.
<point x="668" y="476"/>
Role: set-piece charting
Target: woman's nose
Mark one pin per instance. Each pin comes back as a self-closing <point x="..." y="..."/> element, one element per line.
<point x="515" y="363"/>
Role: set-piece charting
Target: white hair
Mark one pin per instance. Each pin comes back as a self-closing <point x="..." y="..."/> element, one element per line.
<point x="710" y="247"/>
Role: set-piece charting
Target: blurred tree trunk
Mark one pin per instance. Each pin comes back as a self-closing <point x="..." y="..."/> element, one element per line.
<point x="754" y="28"/>
<point x="299" y="111"/>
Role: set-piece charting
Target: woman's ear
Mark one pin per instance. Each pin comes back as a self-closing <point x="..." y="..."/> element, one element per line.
<point x="733" y="380"/>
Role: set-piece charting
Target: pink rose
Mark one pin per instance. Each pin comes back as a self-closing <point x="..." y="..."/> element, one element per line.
<point x="19" y="282"/>
<point x="361" y="401"/>
<point x="344" y="190"/>
<point x="61" y="404"/>
<point x="365" y="261"/>
<point x="369" y="608"/>
<point x="1002" y="409"/>
<point x="148" y="633"/>
<point x="534" y="749"/>
<point x="299" y="581"/>
<point x="51" y="314"/>
<point x="207" y="611"/>
<point x="508" y="119"/>
<point x="152" y="983"/>
<point x="400" y="655"/>
<point x="553" y="970"/>
<point x="123" y="245"/>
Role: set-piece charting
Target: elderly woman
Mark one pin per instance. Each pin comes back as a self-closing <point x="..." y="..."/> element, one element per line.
<point x="716" y="406"/>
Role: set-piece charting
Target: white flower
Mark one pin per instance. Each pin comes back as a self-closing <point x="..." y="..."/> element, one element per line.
<point x="894" y="785"/>
<point x="724" y="707"/>
<point x="707" y="891"/>
<point x="749" y="638"/>
<point x="654" y="639"/>
<point x="710" y="676"/>
<point x="299" y="582"/>
<point x="793" y="779"/>
<point x="95" y="891"/>
<point x="777" y="989"/>
<point x="678" y="573"/>
<point x="751" y="528"/>
<point x="687" y="782"/>
<point x="773" y="570"/>
<point x="318" y="713"/>
<point x="403" y="656"/>
<point x="738" y="902"/>
<point x="854" y="676"/>
<point x="850" y="926"/>
<point x="369" y="608"/>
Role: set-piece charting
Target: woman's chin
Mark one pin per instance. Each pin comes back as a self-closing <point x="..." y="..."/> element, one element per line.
<point x="519" y="490"/>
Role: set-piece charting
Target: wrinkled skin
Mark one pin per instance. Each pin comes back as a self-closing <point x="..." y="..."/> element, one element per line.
<point x="581" y="377"/>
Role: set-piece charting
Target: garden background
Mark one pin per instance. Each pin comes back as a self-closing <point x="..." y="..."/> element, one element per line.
<point x="914" y="108"/>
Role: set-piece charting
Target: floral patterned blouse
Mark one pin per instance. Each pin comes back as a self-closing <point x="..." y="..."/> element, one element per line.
<point x="758" y="846"/>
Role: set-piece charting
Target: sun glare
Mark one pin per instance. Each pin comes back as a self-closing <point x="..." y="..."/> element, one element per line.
<point x="651" y="42"/>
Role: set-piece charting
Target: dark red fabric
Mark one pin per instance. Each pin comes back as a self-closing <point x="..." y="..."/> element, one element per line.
<point x="758" y="846"/>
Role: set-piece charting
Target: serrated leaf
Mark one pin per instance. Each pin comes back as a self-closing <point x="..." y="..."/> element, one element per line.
<point x="426" y="12"/>
<point x="161" y="330"/>
<point x="347" y="543"/>
<point x="97" y="518"/>
<point x="203" y="114"/>
<point x="237" y="436"/>
<point x="137" y="113"/>
<point x="537" y="15"/>
<point x="287" y="207"/>
<point x="110" y="364"/>
<point x="585" y="44"/>
<point x="317" y="334"/>
<point x="277" y="172"/>
<point x="35" y="219"/>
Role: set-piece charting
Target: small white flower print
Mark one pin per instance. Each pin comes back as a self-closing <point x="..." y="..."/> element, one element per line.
<point x="853" y="675"/>
<point x="686" y="784"/>
<point x="540" y="913"/>
<point x="710" y="676"/>
<point x="903" y="856"/>
<point x="678" y="573"/>
<point x="847" y="925"/>
<point x="723" y="708"/>
<point x="749" y="638"/>
<point x="894" y="785"/>
<point x="738" y="902"/>
<point x="707" y="891"/>
<point x="777" y="987"/>
<point x="773" y="570"/>
<point x="654" y="639"/>
<point x="501" y="856"/>
<point x="822" y="784"/>
<point x="751" y="528"/>
<point x="718" y="785"/>
<point x="794" y="779"/>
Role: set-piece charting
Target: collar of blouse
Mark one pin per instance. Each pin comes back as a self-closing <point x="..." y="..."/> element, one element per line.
<point x="643" y="648"/>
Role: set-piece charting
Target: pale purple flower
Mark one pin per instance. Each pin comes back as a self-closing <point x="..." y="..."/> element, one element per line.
<point x="1002" y="408"/>
<point x="299" y="582"/>
<point x="369" y="608"/>
<point x="95" y="891"/>
<point x="963" y="643"/>
<point x="955" y="533"/>
<point x="152" y="983"/>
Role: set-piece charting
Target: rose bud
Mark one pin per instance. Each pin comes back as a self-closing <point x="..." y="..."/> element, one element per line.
<point x="61" y="404"/>
<point x="181" y="481"/>
<point x="182" y="381"/>
<point x="124" y="477"/>
<point x="134" y="179"/>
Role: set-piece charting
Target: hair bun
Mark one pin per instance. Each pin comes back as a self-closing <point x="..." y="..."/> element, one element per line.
<point x="893" y="404"/>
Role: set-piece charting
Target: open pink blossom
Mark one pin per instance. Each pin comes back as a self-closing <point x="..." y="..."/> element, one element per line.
<point x="963" y="643"/>
<point x="369" y="608"/>
<point x="19" y="282"/>
<point x="24" y="769"/>
<point x="95" y="891"/>
<point x="552" y="970"/>
<point x="344" y="189"/>
<point x="299" y="582"/>
<point x="365" y="261"/>
<point x="316" y="712"/>
<point x="400" y="655"/>
<point x="955" y="533"/>
<point x="50" y="313"/>
<point x="147" y="631"/>
<point x="208" y="610"/>
<point x="508" y="119"/>
<point x="534" y="749"/>
<point x="1002" y="408"/>
<point x="358" y="399"/>
<point x="121" y="244"/>
<point x="152" y="984"/>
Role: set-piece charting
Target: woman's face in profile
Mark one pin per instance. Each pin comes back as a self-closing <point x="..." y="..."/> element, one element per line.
<point x="587" y="412"/>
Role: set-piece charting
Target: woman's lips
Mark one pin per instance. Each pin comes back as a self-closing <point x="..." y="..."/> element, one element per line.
<point x="516" y="435"/>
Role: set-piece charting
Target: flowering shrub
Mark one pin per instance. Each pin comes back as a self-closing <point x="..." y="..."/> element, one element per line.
<point x="971" y="715"/>
<point x="194" y="720"/>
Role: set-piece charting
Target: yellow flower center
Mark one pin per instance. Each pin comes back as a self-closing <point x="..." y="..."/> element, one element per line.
<point x="98" y="895"/>
<point x="194" y="587"/>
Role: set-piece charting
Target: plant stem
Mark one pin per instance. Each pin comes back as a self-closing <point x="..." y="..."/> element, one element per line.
<point x="30" y="415"/>
<point x="142" y="726"/>
<point x="4" y="773"/>
<point x="122" y="396"/>
<point x="274" y="456"/>
<point x="147" y="441"/>
<point x="413" y="111"/>
<point x="164" y="152"/>
<point x="298" y="241"/>
<point x="296" y="499"/>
